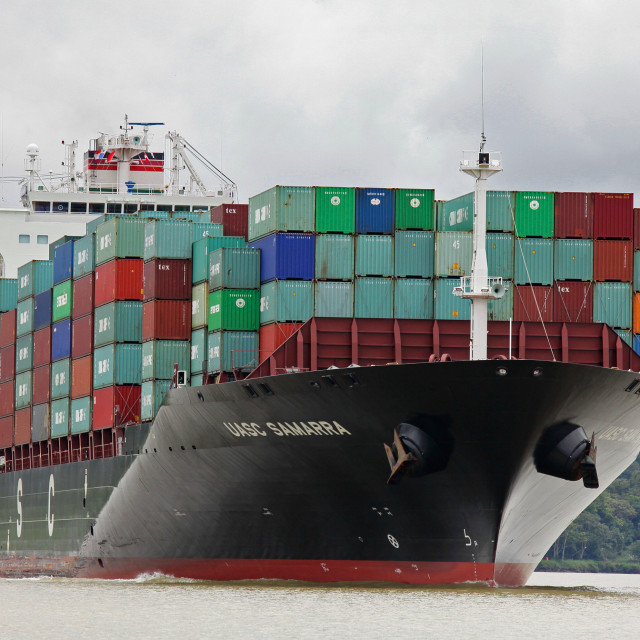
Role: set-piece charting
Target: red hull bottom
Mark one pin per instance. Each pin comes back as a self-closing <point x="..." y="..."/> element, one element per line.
<point x="303" y="570"/>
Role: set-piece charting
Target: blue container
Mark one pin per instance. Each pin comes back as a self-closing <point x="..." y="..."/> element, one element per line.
<point x="374" y="210"/>
<point x="61" y="340"/>
<point x="42" y="310"/>
<point x="286" y="256"/>
<point x="636" y="343"/>
<point x="63" y="262"/>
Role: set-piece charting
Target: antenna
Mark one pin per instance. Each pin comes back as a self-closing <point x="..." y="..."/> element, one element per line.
<point x="483" y="138"/>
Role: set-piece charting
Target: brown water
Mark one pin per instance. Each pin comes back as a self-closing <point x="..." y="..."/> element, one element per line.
<point x="595" y="606"/>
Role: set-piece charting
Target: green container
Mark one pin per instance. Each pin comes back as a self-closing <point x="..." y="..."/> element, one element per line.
<point x="234" y="268"/>
<point x="34" y="277"/>
<point x="234" y="309"/>
<point x="500" y="210"/>
<point x="456" y="214"/>
<point x="92" y="226"/>
<point x="374" y="255"/>
<point x="286" y="301"/>
<point x="167" y="239"/>
<point x="335" y="210"/>
<point x="229" y="350"/>
<point x="446" y="306"/>
<point x="24" y="317"/>
<point x="24" y="353"/>
<point x="335" y="256"/>
<point x="81" y="415"/>
<point x="120" y="238"/>
<point x="454" y="254"/>
<point x="533" y="261"/>
<point x="502" y="308"/>
<point x="373" y="298"/>
<point x="60" y="378"/>
<point x="84" y="255"/>
<point x="414" y="254"/>
<point x="636" y="270"/>
<point x="612" y="304"/>
<point x="201" y="230"/>
<point x="200" y="255"/>
<point x="23" y="390"/>
<point x="8" y="294"/>
<point x="334" y="299"/>
<point x="191" y="216"/>
<point x="534" y="214"/>
<point x="119" y="321"/>
<point x="500" y="247"/>
<point x="152" y="394"/>
<point x="156" y="215"/>
<point x="199" y="305"/>
<point x="60" y="417"/>
<point x="116" y="364"/>
<point x="159" y="356"/>
<point x="281" y="209"/>
<point x="198" y="350"/>
<point x="413" y="298"/>
<point x="414" y="209"/>
<point x="626" y="335"/>
<point x="573" y="260"/>
<point x="62" y="301"/>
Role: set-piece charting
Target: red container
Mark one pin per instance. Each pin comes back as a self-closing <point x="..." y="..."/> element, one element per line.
<point x="42" y="347"/>
<point x="233" y="217"/>
<point x="41" y="384"/>
<point x="613" y="215"/>
<point x="81" y="377"/>
<point x="7" y="398"/>
<point x="525" y="298"/>
<point x="273" y="335"/>
<point x="6" y="432"/>
<point x="167" y="279"/>
<point x="8" y="328"/>
<point x="120" y="279"/>
<point x="613" y="260"/>
<point x="573" y="302"/>
<point x="8" y="363"/>
<point x="82" y="296"/>
<point x="573" y="215"/>
<point x="166" y="320"/>
<point x="636" y="228"/>
<point x="115" y="406"/>
<point x="82" y="337"/>
<point x="22" y="430"/>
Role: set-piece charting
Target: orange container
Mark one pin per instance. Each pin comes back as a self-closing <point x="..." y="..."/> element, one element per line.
<point x="636" y="313"/>
<point x="81" y="377"/>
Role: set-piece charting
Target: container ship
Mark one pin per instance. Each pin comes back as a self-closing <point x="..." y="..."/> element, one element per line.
<point x="323" y="385"/>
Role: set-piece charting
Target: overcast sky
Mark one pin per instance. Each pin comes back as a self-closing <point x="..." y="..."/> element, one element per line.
<point x="335" y="92"/>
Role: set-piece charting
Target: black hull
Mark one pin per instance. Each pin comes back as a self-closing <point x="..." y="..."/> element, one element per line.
<point x="289" y="480"/>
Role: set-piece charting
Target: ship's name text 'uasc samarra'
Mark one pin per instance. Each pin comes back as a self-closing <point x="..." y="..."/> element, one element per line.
<point x="309" y="428"/>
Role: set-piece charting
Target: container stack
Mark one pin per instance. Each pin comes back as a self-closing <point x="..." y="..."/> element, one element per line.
<point x="7" y="374"/>
<point x="234" y="219"/>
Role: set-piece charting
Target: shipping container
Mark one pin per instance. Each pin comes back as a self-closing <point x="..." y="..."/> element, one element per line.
<point x="334" y="299"/>
<point x="61" y="379"/>
<point x="534" y="214"/>
<point x="121" y="237"/>
<point x="612" y="304"/>
<point x="7" y="398"/>
<point x="374" y="210"/>
<point x="8" y="328"/>
<point x="80" y="415"/>
<point x="190" y="216"/>
<point x="62" y="301"/>
<point x="22" y="432"/>
<point x="456" y="214"/>
<point x="373" y="298"/>
<point x="286" y="301"/>
<point x="200" y="229"/>
<point x="414" y="209"/>
<point x="500" y="211"/>
<point x="454" y="254"/>
<point x="500" y="255"/>
<point x="233" y="217"/>
<point x="636" y="313"/>
<point x="84" y="255"/>
<point x="60" y="417"/>
<point x="636" y="229"/>
<point x="167" y="239"/>
<point x="23" y="390"/>
<point x="281" y="209"/>
<point x="502" y="308"/>
<point x="82" y="336"/>
<point x="117" y="364"/>
<point x="229" y="350"/>
<point x="58" y="243"/>
<point x="152" y="394"/>
<point x="414" y="254"/>
<point x="446" y="306"/>
<point x="8" y="294"/>
<point x="116" y="406"/>
<point x="273" y="335"/>
<point x="374" y="255"/>
<point x="200" y="255"/>
<point x="83" y="296"/>
<point x="198" y="352"/>
<point x="61" y="340"/>
<point x="34" y="277"/>
<point x="335" y="210"/>
<point x="533" y="303"/>
<point x="636" y="270"/>
<point x="626" y="335"/>
<point x="42" y="308"/>
<point x="118" y="322"/>
<point x="165" y="279"/>
<point x="573" y="215"/>
<point x="166" y="320"/>
<point x="159" y="357"/>
<point x="82" y="376"/>
<point x="234" y="309"/>
<point x="573" y="260"/>
<point x="41" y="388"/>
<point x="413" y="298"/>
<point x="7" y="363"/>
<point x="334" y="256"/>
<point x="284" y="256"/>
<point x="6" y="432"/>
<point x="533" y="261"/>
<point x="24" y="323"/>
<point x="120" y="279"/>
<point x="42" y="347"/>
<point x="63" y="262"/>
<point x="24" y="353"/>
<point x="40" y="423"/>
<point x="613" y="215"/>
<point x="613" y="260"/>
<point x="234" y="268"/>
<point x="200" y="305"/>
